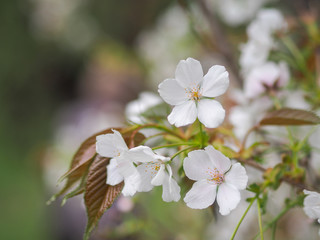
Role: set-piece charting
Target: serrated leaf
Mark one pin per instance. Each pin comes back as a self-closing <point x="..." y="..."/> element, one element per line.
<point x="289" y="116"/>
<point x="99" y="196"/>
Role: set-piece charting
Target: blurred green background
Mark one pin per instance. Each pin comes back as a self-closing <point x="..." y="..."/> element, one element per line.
<point x="44" y="48"/>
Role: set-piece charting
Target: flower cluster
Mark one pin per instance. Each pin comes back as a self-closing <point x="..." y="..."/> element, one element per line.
<point x="141" y="168"/>
<point x="179" y="139"/>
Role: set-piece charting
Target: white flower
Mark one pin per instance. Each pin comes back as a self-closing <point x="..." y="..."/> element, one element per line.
<point x="155" y="171"/>
<point x="253" y="54"/>
<point x="312" y="205"/>
<point x="236" y="12"/>
<point x="192" y="94"/>
<point x="247" y="114"/>
<point x="137" y="107"/>
<point x="260" y="38"/>
<point x="267" y="22"/>
<point x="266" y="76"/>
<point x="120" y="168"/>
<point x="215" y="177"/>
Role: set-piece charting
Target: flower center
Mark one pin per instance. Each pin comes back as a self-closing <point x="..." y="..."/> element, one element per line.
<point x="117" y="153"/>
<point x="152" y="168"/>
<point x="194" y="93"/>
<point x="215" y="176"/>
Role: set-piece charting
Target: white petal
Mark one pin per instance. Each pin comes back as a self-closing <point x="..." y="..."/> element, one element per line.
<point x="201" y="195"/>
<point x="170" y="189"/>
<point x="215" y="82"/>
<point x="197" y="164"/>
<point x="228" y="198"/>
<point x="158" y="179"/>
<point x="312" y="204"/>
<point x="189" y="73"/>
<point x="312" y="212"/>
<point x="119" y="142"/>
<point x="183" y="114"/>
<point x="131" y="184"/>
<point x="141" y="154"/>
<point x="237" y="176"/>
<point x="220" y="161"/>
<point x="113" y="176"/>
<point x="125" y="166"/>
<point x="172" y="92"/>
<point x="110" y="145"/>
<point x="210" y="113"/>
<point x="147" y="172"/>
<point x="105" y="146"/>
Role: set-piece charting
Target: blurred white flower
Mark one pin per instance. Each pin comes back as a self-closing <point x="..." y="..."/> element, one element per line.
<point x="214" y="176"/>
<point x="65" y="22"/>
<point x="312" y="205"/>
<point x="120" y="168"/>
<point x="192" y="94"/>
<point x="155" y="171"/>
<point x="267" y="22"/>
<point x="125" y="204"/>
<point x="296" y="99"/>
<point x="253" y="54"/>
<point x="170" y="35"/>
<point x="135" y="108"/>
<point x="246" y="115"/>
<point x="236" y="12"/>
<point x="266" y="76"/>
<point x="260" y="39"/>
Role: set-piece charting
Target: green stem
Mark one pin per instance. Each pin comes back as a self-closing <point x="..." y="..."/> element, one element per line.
<point x="201" y="134"/>
<point x="259" y="218"/>
<point x="159" y="127"/>
<point x="175" y="145"/>
<point x="243" y="216"/>
<point x="181" y="151"/>
<point x="274" y="220"/>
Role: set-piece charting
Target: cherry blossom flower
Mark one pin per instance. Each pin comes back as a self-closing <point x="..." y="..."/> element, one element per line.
<point x="120" y="168"/>
<point x="192" y="94"/>
<point x="137" y="107"/>
<point x="215" y="177"/>
<point x="236" y="12"/>
<point x="268" y="75"/>
<point x="155" y="171"/>
<point x="312" y="205"/>
<point x="252" y="55"/>
<point x="247" y="114"/>
<point x="260" y="39"/>
<point x="268" y="21"/>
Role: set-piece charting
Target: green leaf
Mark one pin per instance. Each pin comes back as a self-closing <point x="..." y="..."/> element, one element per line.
<point x="289" y="116"/>
<point x="255" y="188"/>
